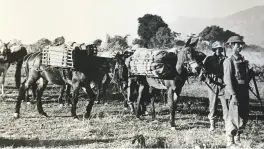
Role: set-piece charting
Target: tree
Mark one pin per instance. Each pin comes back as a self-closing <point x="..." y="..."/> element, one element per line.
<point x="117" y="42"/>
<point x="228" y="34"/>
<point x="213" y="33"/>
<point x="148" y="26"/>
<point x="162" y="39"/>
<point x="139" y="42"/>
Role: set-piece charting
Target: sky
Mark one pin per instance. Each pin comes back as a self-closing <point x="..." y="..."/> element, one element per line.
<point x="87" y="20"/>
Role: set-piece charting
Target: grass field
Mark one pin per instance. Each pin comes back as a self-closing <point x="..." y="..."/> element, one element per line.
<point x="111" y="126"/>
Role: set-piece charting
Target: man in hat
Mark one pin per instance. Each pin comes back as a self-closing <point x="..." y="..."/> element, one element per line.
<point x="236" y="81"/>
<point x="213" y="75"/>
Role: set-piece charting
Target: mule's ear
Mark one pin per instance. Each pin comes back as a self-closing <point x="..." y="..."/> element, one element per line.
<point x="6" y="44"/>
<point x="194" y="43"/>
<point x="187" y="44"/>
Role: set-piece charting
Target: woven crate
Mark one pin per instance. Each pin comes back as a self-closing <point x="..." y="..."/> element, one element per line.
<point x="57" y="56"/>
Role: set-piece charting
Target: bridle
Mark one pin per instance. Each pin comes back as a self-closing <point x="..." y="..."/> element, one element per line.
<point x="189" y="63"/>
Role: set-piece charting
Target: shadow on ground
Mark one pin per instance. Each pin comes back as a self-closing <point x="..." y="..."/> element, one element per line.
<point x="49" y="143"/>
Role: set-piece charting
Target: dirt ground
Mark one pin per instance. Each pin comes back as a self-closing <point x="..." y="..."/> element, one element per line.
<point x="112" y="126"/>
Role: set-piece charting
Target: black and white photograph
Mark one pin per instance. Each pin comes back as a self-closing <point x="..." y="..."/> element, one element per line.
<point x="132" y="74"/>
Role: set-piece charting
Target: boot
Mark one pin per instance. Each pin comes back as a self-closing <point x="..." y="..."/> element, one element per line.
<point x="212" y="125"/>
<point x="230" y="141"/>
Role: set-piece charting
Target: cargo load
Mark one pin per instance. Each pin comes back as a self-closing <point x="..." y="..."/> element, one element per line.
<point x="152" y="63"/>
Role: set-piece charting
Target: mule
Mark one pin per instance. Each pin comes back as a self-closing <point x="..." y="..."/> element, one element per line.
<point x="7" y="58"/>
<point x="87" y="68"/>
<point x="187" y="62"/>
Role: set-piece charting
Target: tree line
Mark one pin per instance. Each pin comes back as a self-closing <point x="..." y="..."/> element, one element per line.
<point x="154" y="32"/>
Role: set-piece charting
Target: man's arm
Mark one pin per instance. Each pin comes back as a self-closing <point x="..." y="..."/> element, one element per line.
<point x="228" y="77"/>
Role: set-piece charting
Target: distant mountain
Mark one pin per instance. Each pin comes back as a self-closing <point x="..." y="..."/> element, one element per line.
<point x="248" y="23"/>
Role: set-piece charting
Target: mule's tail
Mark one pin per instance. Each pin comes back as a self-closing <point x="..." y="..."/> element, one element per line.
<point x="18" y="73"/>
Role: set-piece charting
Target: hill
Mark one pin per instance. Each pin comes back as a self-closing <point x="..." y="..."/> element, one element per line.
<point x="249" y="23"/>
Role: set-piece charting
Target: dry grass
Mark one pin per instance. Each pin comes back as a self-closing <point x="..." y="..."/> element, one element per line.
<point x="111" y="126"/>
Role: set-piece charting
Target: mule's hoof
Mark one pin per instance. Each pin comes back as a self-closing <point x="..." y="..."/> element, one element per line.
<point x="28" y="103"/>
<point x="87" y="115"/>
<point x="45" y="114"/>
<point x="211" y="129"/>
<point x="16" y="115"/>
<point x="76" y="118"/>
<point x="132" y="112"/>
<point x="60" y="105"/>
<point x="173" y="128"/>
<point x="106" y="104"/>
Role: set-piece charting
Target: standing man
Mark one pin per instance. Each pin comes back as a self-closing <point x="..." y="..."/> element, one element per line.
<point x="213" y="72"/>
<point x="236" y="80"/>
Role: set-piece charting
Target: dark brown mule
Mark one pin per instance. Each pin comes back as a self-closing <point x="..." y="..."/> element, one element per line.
<point x="6" y="58"/>
<point x="25" y="65"/>
<point x="87" y="68"/>
<point x="186" y="62"/>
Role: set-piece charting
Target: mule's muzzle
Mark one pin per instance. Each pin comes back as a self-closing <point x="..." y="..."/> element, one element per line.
<point x="2" y="57"/>
<point x="194" y="67"/>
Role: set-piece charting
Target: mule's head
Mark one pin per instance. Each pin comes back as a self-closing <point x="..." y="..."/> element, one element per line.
<point x="4" y="51"/>
<point x="120" y="70"/>
<point x="188" y="58"/>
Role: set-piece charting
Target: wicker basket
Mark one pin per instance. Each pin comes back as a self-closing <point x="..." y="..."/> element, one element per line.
<point x="57" y="56"/>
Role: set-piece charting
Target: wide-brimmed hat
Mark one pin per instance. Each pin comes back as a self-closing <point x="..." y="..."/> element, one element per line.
<point x="236" y="39"/>
<point x="217" y="44"/>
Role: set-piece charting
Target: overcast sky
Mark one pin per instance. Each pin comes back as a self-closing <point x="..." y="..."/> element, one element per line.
<point x="87" y="20"/>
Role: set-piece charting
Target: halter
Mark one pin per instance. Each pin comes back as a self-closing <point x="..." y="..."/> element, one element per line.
<point x="188" y="64"/>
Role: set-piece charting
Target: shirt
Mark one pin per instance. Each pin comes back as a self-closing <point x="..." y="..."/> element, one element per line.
<point x="235" y="72"/>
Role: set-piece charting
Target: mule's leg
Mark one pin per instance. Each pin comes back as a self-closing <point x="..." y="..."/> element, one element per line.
<point x="105" y="84"/>
<point x="76" y="88"/>
<point x="68" y="94"/>
<point x="172" y="106"/>
<point x="122" y="89"/>
<point x="3" y="82"/>
<point x="2" y="89"/>
<point x="42" y="85"/>
<point x="173" y="96"/>
<point x="22" y="91"/>
<point x="27" y="97"/>
<point x="99" y="93"/>
<point x="153" y="108"/>
<point x="130" y="89"/>
<point x="33" y="89"/>
<point x="152" y="99"/>
<point x="92" y="95"/>
<point x="139" y="100"/>
<point x="62" y="89"/>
